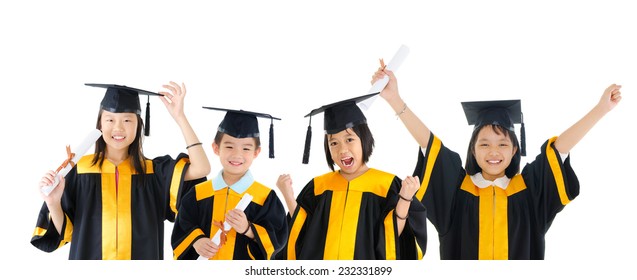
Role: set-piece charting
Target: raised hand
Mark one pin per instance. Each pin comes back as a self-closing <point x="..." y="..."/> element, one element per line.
<point x="410" y="186"/>
<point x="390" y="92"/>
<point x="284" y="183"/>
<point x="610" y="98"/>
<point x="174" y="99"/>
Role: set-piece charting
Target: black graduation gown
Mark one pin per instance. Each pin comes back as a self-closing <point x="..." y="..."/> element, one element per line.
<point x="337" y="219"/>
<point x="492" y="223"/>
<point x="198" y="211"/>
<point x="108" y="221"/>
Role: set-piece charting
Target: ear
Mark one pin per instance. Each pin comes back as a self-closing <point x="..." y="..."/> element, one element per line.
<point x="215" y="148"/>
<point x="515" y="150"/>
<point x="257" y="151"/>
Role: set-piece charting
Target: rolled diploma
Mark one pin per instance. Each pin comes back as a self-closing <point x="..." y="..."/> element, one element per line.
<point x="243" y="203"/>
<point x="79" y="151"/>
<point x="393" y="65"/>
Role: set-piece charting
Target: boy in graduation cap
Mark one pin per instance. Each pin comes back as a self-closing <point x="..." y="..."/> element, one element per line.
<point x="259" y="231"/>
<point x="356" y="212"/>
<point x="113" y="204"/>
<point x="488" y="209"/>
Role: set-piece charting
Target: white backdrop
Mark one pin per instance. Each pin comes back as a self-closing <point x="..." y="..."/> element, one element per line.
<point x="286" y="58"/>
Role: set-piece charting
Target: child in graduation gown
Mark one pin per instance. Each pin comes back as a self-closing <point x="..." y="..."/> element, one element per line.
<point x="488" y="209"/>
<point x="113" y="204"/>
<point x="258" y="232"/>
<point x="355" y="212"/>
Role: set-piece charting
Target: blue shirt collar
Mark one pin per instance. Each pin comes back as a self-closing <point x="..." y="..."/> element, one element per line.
<point x="239" y="187"/>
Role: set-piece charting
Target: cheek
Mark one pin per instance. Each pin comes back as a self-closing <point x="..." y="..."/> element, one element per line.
<point x="508" y="150"/>
<point x="476" y="152"/>
<point x="333" y="150"/>
<point x="512" y="151"/>
<point x="334" y="154"/>
<point x="358" y="152"/>
<point x="132" y="126"/>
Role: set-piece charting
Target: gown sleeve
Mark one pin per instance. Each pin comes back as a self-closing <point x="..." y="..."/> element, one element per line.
<point x="441" y="173"/>
<point x="45" y="237"/>
<point x="552" y="183"/>
<point x="270" y="228"/>
<point x="171" y="175"/>
<point x="186" y="229"/>
<point x="413" y="239"/>
<point x="296" y="227"/>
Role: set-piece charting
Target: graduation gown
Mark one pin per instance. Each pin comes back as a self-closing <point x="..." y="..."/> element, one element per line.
<point x="202" y="205"/>
<point x="337" y="219"/>
<point x="111" y="214"/>
<point x="493" y="223"/>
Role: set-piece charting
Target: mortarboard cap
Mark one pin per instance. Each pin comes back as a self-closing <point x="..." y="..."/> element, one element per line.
<point x="338" y="116"/>
<point x="123" y="99"/>
<point x="504" y="113"/>
<point x="244" y="124"/>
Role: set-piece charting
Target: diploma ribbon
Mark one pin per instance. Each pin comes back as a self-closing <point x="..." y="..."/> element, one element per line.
<point x="222" y="237"/>
<point x="68" y="160"/>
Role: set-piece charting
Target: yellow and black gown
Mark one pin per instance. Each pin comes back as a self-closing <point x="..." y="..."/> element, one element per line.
<point x="111" y="214"/>
<point x="204" y="208"/>
<point x="337" y="219"/>
<point x="493" y="223"/>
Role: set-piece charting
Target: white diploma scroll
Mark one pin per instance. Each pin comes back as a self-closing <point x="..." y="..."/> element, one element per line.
<point x="393" y="65"/>
<point x="243" y="203"/>
<point x="79" y="151"/>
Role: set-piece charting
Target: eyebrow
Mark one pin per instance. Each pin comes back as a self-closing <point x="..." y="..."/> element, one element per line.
<point x="504" y="139"/>
<point x="233" y="143"/>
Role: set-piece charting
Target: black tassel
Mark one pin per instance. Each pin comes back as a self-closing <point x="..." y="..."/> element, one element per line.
<point x="271" y="138"/>
<point x="308" y="140"/>
<point x="522" y="139"/>
<point x="147" y="120"/>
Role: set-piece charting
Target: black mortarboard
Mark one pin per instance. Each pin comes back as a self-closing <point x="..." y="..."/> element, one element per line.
<point x="244" y="124"/>
<point x="123" y="99"/>
<point x="338" y="116"/>
<point x="504" y="113"/>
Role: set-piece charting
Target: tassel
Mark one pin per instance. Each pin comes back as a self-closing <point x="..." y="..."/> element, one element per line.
<point x="147" y="120"/>
<point x="522" y="139"/>
<point x="271" y="138"/>
<point x="308" y="140"/>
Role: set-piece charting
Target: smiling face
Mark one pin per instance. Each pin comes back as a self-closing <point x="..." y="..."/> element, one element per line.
<point x="118" y="130"/>
<point x="236" y="156"/>
<point x="493" y="151"/>
<point x="346" y="150"/>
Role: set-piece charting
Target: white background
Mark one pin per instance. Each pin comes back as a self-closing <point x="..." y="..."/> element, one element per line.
<point x="286" y="58"/>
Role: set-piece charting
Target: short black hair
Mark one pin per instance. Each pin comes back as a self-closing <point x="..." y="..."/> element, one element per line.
<point x="367" y="142"/>
<point x="220" y="135"/>
<point x="472" y="167"/>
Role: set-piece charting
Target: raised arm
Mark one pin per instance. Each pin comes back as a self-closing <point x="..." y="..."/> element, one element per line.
<point x="414" y="125"/>
<point x="570" y="137"/>
<point x="407" y="191"/>
<point x="174" y="101"/>
<point x="284" y="183"/>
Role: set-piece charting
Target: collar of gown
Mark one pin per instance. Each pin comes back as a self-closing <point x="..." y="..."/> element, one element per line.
<point x="239" y="187"/>
<point x="482" y="183"/>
